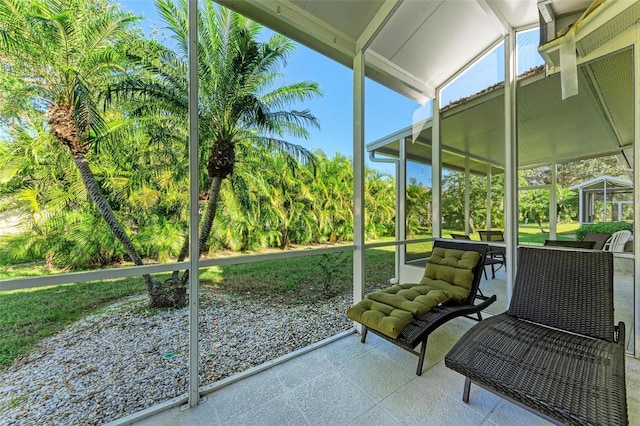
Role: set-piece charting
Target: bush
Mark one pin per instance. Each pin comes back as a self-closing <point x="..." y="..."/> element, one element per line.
<point x="603" y="227"/>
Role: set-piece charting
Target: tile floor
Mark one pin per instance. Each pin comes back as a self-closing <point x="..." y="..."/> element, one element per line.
<point x="350" y="383"/>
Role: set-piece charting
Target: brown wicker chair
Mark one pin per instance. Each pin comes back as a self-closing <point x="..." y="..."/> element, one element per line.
<point x="600" y="239"/>
<point x="419" y="329"/>
<point x="556" y="351"/>
<point x="570" y="244"/>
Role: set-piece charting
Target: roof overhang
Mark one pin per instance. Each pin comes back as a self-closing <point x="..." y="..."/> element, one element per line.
<point x="412" y="46"/>
<point x="417" y="46"/>
<point x="596" y="122"/>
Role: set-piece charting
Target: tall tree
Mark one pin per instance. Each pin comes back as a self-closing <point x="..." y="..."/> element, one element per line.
<point x="239" y="107"/>
<point x="67" y="51"/>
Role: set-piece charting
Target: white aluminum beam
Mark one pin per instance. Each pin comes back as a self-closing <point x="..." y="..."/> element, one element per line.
<point x="194" y="218"/>
<point x="376" y="24"/>
<point x="511" y="161"/>
<point x="358" y="176"/>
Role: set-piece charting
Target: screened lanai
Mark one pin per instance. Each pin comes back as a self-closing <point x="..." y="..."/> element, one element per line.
<point x="578" y="105"/>
<point x="416" y="48"/>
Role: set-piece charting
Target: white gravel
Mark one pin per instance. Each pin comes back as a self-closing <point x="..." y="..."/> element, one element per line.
<point x="126" y="358"/>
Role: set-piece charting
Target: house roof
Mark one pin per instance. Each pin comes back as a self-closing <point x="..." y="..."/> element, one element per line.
<point x="413" y="46"/>
<point x="417" y="46"/>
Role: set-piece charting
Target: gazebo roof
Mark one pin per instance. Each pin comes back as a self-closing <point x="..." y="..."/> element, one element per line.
<point x="601" y="182"/>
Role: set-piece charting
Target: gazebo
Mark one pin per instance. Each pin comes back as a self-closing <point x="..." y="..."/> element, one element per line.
<point x="604" y="199"/>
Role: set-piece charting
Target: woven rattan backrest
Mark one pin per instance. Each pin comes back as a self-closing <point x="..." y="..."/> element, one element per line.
<point x="570" y="290"/>
<point x="477" y="271"/>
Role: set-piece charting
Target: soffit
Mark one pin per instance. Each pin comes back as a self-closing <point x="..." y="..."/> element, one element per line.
<point x="596" y="122"/>
<point x="414" y="46"/>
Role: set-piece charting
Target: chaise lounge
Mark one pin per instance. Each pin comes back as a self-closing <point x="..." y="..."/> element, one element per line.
<point x="407" y="314"/>
<point x="556" y="350"/>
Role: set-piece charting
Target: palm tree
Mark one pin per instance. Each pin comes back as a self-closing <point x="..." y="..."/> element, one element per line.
<point x="335" y="188"/>
<point x="240" y="110"/>
<point x="66" y="51"/>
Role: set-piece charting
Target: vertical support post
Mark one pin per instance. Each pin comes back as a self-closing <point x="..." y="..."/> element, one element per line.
<point x="636" y="184"/>
<point x="401" y="217"/>
<point x="511" y="160"/>
<point x="489" y="203"/>
<point x="467" y="194"/>
<point x="194" y="217"/>
<point x="582" y="207"/>
<point x="604" y="204"/>
<point x="553" y="202"/>
<point x="358" y="176"/>
<point x="436" y="168"/>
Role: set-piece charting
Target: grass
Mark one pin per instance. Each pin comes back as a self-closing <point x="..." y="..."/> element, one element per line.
<point x="302" y="279"/>
<point x="28" y="316"/>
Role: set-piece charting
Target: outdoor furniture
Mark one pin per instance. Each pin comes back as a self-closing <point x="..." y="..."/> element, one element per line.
<point x="617" y="241"/>
<point x="492" y="258"/>
<point x="600" y="238"/>
<point x="495" y="255"/>
<point x="556" y="351"/>
<point x="460" y="237"/>
<point x="570" y="244"/>
<point x="418" y="328"/>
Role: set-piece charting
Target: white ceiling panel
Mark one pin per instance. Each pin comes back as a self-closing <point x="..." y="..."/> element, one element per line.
<point x="424" y="43"/>
<point x="427" y="40"/>
<point x="518" y="12"/>
<point x="402" y="26"/>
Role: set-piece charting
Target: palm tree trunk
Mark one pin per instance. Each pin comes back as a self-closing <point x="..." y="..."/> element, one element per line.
<point x="105" y="209"/>
<point x="205" y="226"/>
<point x="158" y="298"/>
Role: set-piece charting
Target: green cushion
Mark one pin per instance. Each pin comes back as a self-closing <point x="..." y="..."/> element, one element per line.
<point x="413" y="298"/>
<point x="454" y="267"/>
<point x="385" y="319"/>
<point x="448" y="276"/>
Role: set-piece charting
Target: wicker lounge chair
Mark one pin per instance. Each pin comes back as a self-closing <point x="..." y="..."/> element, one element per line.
<point x="418" y="330"/>
<point x="599" y="238"/>
<point x="571" y="244"/>
<point x="556" y="351"/>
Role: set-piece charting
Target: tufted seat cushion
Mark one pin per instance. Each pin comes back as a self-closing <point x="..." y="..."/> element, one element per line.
<point x="448" y="276"/>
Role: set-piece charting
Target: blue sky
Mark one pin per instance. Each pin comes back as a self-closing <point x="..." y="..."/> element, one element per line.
<point x="386" y="111"/>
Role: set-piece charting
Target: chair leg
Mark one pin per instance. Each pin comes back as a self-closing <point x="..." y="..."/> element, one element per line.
<point x="467" y="388"/>
<point x="484" y="270"/>
<point x="493" y="272"/>
<point x="363" y="337"/>
<point x="423" y="351"/>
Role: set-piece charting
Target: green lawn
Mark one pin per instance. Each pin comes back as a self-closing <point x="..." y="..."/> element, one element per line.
<point x="28" y="316"/>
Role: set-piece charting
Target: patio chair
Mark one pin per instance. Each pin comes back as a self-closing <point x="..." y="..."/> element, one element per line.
<point x="387" y="321"/>
<point x="460" y="237"/>
<point x="556" y="351"/>
<point x="570" y="244"/>
<point x="617" y="241"/>
<point x="600" y="239"/>
<point x="495" y="255"/>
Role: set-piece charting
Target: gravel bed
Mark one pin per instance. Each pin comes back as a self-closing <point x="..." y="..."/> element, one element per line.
<point x="125" y="358"/>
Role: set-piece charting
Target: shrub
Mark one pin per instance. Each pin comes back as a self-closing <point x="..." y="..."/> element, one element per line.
<point x="603" y="227"/>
